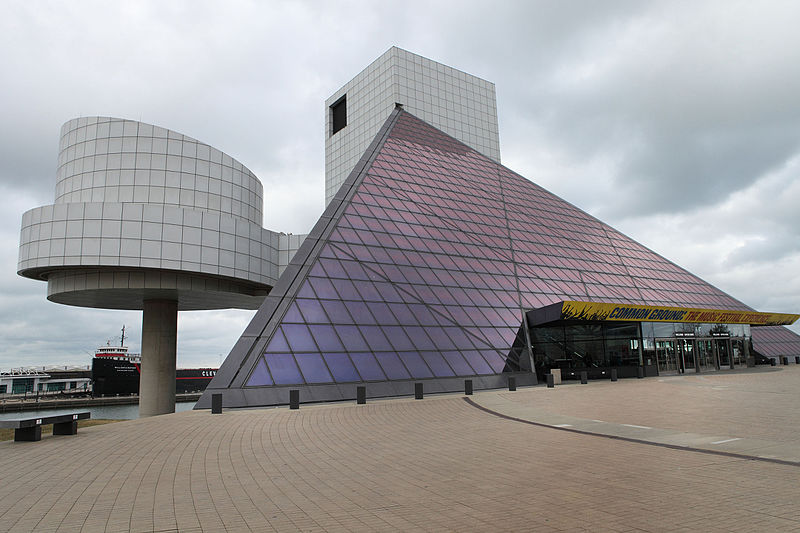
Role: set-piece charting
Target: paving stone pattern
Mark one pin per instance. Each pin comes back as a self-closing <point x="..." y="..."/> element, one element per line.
<point x="436" y="464"/>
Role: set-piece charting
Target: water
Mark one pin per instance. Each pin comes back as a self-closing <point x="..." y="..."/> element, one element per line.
<point x="108" y="412"/>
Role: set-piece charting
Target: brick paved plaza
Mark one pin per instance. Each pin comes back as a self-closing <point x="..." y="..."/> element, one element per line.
<point x="503" y="461"/>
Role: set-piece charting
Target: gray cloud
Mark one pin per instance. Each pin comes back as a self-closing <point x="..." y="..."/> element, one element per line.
<point x="676" y="122"/>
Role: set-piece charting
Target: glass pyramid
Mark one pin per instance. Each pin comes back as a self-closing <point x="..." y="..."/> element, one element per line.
<point x="420" y="269"/>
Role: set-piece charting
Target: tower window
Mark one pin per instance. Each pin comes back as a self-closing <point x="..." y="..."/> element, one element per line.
<point x="339" y="114"/>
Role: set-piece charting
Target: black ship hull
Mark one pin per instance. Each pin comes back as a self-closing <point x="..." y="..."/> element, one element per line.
<point x="113" y="377"/>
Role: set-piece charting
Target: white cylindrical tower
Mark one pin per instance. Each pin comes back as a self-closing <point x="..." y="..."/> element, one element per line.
<point x="146" y="218"/>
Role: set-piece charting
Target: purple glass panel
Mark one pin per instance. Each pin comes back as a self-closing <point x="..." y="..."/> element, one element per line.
<point x="388" y="292"/>
<point x="381" y="313"/>
<point x="495" y="360"/>
<point x="423" y="314"/>
<point x="420" y="338"/>
<point x="403" y="314"/>
<point x="440" y="338"/>
<point x="312" y="310"/>
<point x="293" y="315"/>
<point x="306" y="291"/>
<point x="352" y="339"/>
<point x="411" y="274"/>
<point x="392" y="365"/>
<point x="260" y="375"/>
<point x="428" y="275"/>
<point x="477" y="362"/>
<point x="491" y="298"/>
<point x="475" y="296"/>
<point x="327" y="251"/>
<point x="431" y="259"/>
<point x="500" y="337"/>
<point x="398" y="338"/>
<point x="354" y="270"/>
<point x="460" y="295"/>
<point x="393" y="273"/>
<point x="323" y="287"/>
<point x="493" y="317"/>
<point x="278" y="343"/>
<point x="461" y="315"/>
<point x="368" y="238"/>
<point x="374" y="272"/>
<point x="368" y="291"/>
<point x="341" y="367"/>
<point x="436" y="362"/>
<point x="284" y="370"/>
<point x="317" y="270"/>
<point x="313" y="368"/>
<point x="326" y="338"/>
<point x="414" y="258"/>
<point x="372" y="224"/>
<point x="375" y="338"/>
<point x="397" y="257"/>
<point x="444" y="295"/>
<point x="361" y="253"/>
<point x="460" y="338"/>
<point x="367" y="366"/>
<point x="347" y="290"/>
<point x="378" y="255"/>
<point x="299" y="338"/>
<point x="337" y="312"/>
<point x="415" y="365"/>
<point x="360" y="312"/>
<point x="426" y="294"/>
<point x="333" y="268"/>
<point x="445" y="278"/>
<point x="385" y="240"/>
<point x="345" y="235"/>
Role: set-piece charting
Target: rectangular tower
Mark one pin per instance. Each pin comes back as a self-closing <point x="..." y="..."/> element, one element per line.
<point x="458" y="103"/>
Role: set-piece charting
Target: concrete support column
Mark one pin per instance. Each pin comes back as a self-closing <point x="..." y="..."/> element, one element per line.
<point x="159" y="343"/>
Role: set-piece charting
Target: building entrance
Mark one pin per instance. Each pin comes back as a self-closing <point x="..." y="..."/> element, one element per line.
<point x="665" y="356"/>
<point x="686" y="355"/>
<point x="699" y="354"/>
<point x="705" y="355"/>
<point x="730" y="352"/>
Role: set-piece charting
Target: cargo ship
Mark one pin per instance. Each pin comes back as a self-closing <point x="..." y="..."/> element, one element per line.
<point x="116" y="372"/>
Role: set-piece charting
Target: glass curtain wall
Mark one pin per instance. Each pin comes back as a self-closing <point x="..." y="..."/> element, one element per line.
<point x="673" y="347"/>
<point x="585" y="346"/>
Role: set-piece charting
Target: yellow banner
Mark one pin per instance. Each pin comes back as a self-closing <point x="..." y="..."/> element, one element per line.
<point x="654" y="313"/>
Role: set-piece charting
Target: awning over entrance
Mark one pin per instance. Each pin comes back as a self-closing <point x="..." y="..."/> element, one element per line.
<point x="603" y="311"/>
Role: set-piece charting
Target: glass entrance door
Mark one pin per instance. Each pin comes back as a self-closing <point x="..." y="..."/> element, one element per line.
<point x="722" y="346"/>
<point x="685" y="351"/>
<point x="705" y="354"/>
<point x="665" y="355"/>
<point x="737" y="352"/>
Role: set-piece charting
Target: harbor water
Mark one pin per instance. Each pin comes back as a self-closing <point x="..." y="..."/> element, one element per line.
<point x="104" y="412"/>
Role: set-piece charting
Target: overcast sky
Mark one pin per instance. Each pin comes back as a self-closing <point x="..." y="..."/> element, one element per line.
<point x="676" y="122"/>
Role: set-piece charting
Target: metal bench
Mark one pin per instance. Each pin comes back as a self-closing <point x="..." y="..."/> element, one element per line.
<point x="30" y="429"/>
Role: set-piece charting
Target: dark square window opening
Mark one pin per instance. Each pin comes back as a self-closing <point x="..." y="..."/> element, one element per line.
<point x="339" y="114"/>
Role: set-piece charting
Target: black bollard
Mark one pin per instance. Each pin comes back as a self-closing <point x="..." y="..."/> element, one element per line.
<point x="216" y="404"/>
<point x="417" y="391"/>
<point x="294" y="399"/>
<point x="640" y="372"/>
<point x="512" y="383"/>
<point x="551" y="381"/>
<point x="584" y="377"/>
<point x="785" y="360"/>
<point x="361" y="395"/>
<point x="772" y="362"/>
<point x="468" y="387"/>
<point x="613" y="374"/>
